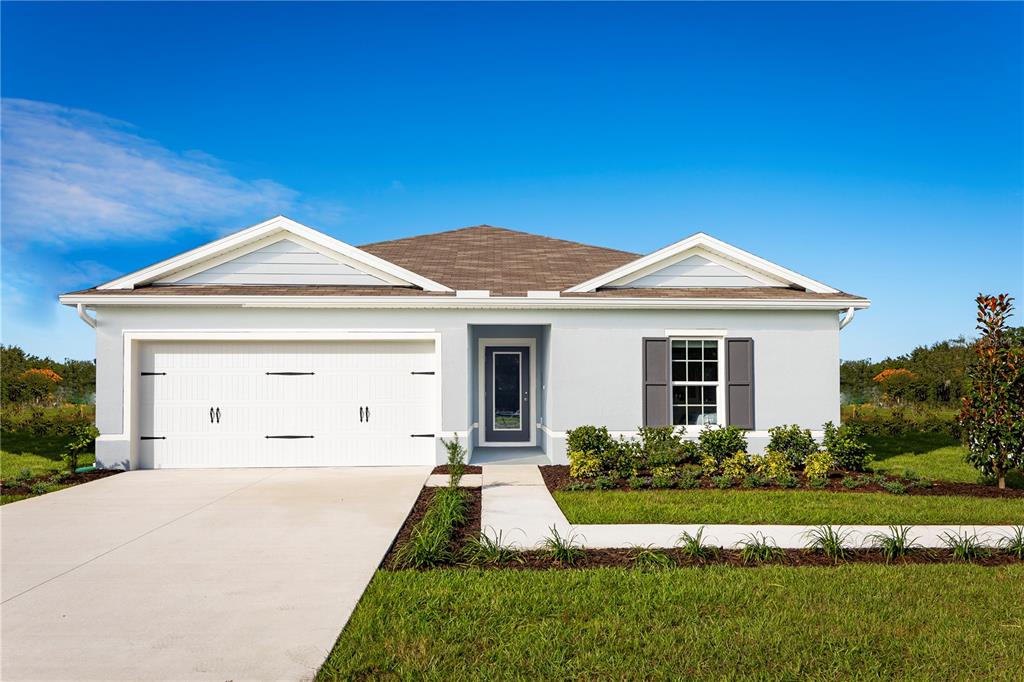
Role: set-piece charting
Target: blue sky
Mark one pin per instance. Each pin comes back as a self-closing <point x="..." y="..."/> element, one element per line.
<point x="877" y="147"/>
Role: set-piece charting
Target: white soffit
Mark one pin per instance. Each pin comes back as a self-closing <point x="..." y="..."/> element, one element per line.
<point x="364" y="268"/>
<point x="745" y="264"/>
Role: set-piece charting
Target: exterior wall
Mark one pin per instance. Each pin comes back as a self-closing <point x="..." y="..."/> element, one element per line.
<point x="590" y="363"/>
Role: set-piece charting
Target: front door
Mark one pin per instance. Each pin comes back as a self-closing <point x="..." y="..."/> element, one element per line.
<point x="507" y="394"/>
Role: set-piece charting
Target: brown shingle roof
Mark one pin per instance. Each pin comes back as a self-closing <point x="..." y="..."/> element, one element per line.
<point x="505" y="262"/>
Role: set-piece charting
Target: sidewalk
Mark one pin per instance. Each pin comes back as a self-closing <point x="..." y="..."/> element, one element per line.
<point x="517" y="504"/>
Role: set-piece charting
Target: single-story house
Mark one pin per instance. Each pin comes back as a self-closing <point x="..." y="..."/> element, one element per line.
<point x="281" y="346"/>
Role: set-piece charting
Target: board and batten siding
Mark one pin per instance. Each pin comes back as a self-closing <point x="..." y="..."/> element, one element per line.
<point x="283" y="262"/>
<point x="695" y="271"/>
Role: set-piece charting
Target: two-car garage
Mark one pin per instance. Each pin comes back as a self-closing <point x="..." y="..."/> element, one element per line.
<point x="227" y="403"/>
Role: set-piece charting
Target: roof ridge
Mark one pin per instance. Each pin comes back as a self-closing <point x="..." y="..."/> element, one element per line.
<point x="502" y="229"/>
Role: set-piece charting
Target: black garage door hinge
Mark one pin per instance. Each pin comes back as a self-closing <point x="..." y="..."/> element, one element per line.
<point x="421" y="435"/>
<point x="152" y="437"/>
<point x="288" y="437"/>
<point x="290" y="374"/>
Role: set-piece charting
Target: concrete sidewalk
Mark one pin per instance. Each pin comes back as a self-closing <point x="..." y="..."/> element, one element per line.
<point x="516" y="503"/>
<point x="214" y="574"/>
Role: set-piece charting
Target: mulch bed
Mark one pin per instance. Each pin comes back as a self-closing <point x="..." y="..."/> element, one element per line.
<point x="470" y="469"/>
<point x="11" y="487"/>
<point x="470" y="529"/>
<point x="556" y="477"/>
<point x="624" y="558"/>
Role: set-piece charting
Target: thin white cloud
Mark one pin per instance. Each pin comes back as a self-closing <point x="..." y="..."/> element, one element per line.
<point x="73" y="176"/>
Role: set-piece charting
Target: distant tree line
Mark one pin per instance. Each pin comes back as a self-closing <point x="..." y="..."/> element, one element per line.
<point x="935" y="374"/>
<point x="30" y="379"/>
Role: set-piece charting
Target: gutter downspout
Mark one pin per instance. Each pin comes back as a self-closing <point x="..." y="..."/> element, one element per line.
<point x="847" y="319"/>
<point x="91" y="321"/>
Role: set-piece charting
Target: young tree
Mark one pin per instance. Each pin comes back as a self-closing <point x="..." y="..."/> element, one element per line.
<point x="992" y="412"/>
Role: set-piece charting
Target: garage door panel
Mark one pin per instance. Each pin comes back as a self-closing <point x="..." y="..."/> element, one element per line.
<point x="261" y="389"/>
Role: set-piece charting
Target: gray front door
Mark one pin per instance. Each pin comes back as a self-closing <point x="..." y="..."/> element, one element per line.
<point x="507" y="394"/>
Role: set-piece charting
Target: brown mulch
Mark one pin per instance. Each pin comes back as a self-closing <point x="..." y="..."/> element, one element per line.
<point x="11" y="487"/>
<point x="470" y="469"/>
<point x="556" y="477"/>
<point x="463" y="534"/>
<point x="624" y="558"/>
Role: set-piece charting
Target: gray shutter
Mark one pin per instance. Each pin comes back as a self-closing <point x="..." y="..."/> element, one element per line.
<point x="739" y="385"/>
<point x="657" y="408"/>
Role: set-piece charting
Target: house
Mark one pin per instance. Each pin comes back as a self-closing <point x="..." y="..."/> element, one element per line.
<point x="281" y="346"/>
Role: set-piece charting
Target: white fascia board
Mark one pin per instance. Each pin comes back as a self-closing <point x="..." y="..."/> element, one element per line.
<point x="254" y="234"/>
<point x="497" y="303"/>
<point x="710" y="244"/>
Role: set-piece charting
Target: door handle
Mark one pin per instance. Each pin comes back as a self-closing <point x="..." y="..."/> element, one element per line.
<point x="218" y="415"/>
<point x="367" y="413"/>
<point x="211" y="415"/>
<point x="360" y="414"/>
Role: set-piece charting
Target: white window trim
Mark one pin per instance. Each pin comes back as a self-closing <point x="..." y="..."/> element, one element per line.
<point x="482" y="346"/>
<point x="720" y="384"/>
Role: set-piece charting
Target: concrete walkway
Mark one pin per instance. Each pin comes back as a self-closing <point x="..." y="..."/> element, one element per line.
<point x="517" y="504"/>
<point x="217" y="574"/>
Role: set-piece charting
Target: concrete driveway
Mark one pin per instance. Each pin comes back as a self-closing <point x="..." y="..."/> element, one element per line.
<point x="219" y="574"/>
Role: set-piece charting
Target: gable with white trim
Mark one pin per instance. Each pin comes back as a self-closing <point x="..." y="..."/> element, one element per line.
<point x="282" y="262"/>
<point x="697" y="271"/>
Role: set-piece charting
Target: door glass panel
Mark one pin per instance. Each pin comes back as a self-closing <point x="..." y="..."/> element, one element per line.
<point x="507" y="392"/>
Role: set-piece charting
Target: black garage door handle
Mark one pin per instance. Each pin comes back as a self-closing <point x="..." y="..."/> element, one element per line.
<point x="288" y="437"/>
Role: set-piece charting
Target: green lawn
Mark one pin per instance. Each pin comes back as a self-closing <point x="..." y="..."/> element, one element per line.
<point x="811" y="507"/>
<point x="933" y="455"/>
<point x="40" y="454"/>
<point x="928" y="621"/>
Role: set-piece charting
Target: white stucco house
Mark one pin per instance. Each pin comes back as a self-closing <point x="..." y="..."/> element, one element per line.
<point x="281" y="346"/>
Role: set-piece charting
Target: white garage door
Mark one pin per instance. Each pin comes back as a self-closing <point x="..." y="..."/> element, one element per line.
<point x="282" y="404"/>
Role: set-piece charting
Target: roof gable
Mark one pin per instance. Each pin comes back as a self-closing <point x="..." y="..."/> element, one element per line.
<point x="230" y="260"/>
<point x="718" y="265"/>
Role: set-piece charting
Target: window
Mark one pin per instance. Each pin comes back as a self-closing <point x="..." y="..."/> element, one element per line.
<point x="696" y="377"/>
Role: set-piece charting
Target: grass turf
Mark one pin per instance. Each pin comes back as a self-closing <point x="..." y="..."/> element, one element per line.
<point x="39" y="454"/>
<point x="853" y="621"/>
<point x="932" y="455"/>
<point x="785" y="507"/>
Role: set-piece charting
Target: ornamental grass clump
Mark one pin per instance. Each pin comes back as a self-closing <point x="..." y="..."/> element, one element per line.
<point x="490" y="550"/>
<point x="1013" y="544"/>
<point x="430" y="542"/>
<point x="895" y="544"/>
<point x="829" y="541"/>
<point x="564" y="549"/>
<point x="759" y="548"/>
<point x="965" y="547"/>
<point x="649" y="558"/>
<point x="694" y="547"/>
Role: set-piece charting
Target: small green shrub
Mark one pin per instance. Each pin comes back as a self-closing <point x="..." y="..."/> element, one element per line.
<point x="758" y="548"/>
<point x="923" y="483"/>
<point x="736" y="465"/>
<point x="584" y="464"/>
<point x="894" y="487"/>
<point x="1014" y="543"/>
<point x="829" y="541"/>
<point x="688" y="480"/>
<point x="894" y="544"/>
<point x="818" y="465"/>
<point x="794" y="443"/>
<point x="564" y="549"/>
<point x="456" y="460"/>
<point x="579" y="485"/>
<point x="846" y="446"/>
<point x="709" y="465"/>
<point x="851" y="482"/>
<point x="604" y="483"/>
<point x="649" y="558"/>
<point x="720" y="443"/>
<point x="593" y="439"/>
<point x="659" y="446"/>
<point x="623" y="459"/>
<point x="638" y="482"/>
<point x="788" y="481"/>
<point x="662" y="482"/>
<point x="39" y="488"/>
<point x="818" y="482"/>
<point x="965" y="547"/>
<point x="755" y="480"/>
<point x="772" y="464"/>
<point x="24" y="475"/>
<point x="83" y="436"/>
<point x="689" y="452"/>
<point x="694" y="548"/>
<point x="723" y="482"/>
<point x="490" y="550"/>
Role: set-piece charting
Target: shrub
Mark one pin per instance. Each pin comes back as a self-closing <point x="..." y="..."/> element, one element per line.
<point x="851" y="482"/>
<point x="638" y="482"/>
<point x="564" y="549"/>
<point x="584" y="464"/>
<point x="720" y="443"/>
<point x="894" y="487"/>
<point x="829" y="541"/>
<point x="709" y="465"/>
<point x="693" y="546"/>
<point x="24" y="475"/>
<point x="623" y="458"/>
<point x="894" y="544"/>
<point x="430" y="541"/>
<point x="788" y="481"/>
<point x="688" y="480"/>
<point x="593" y="439"/>
<point x="736" y="465"/>
<point x="844" y="442"/>
<point x="723" y="482"/>
<point x="754" y="480"/>
<point x="490" y="550"/>
<point x="772" y="465"/>
<point x="662" y="482"/>
<point x="659" y="446"/>
<point x="757" y="548"/>
<point x="649" y="557"/>
<point x="665" y="472"/>
<point x="580" y="485"/>
<point x="1014" y="544"/>
<point x="456" y="460"/>
<point x="604" y="483"/>
<point x="793" y="442"/>
<point x="818" y="465"/>
<point x="689" y="452"/>
<point x="82" y="438"/>
<point x="965" y="547"/>
<point x="818" y="482"/>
